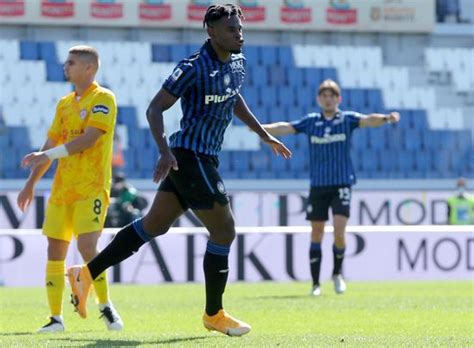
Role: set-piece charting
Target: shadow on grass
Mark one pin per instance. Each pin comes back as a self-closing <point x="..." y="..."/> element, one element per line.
<point x="278" y="297"/>
<point x="128" y="343"/>
<point x="17" y="333"/>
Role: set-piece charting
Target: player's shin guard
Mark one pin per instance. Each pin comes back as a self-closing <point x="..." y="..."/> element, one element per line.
<point x="216" y="271"/>
<point x="338" y="258"/>
<point x="315" y="256"/>
<point x="55" y="282"/>
<point x="125" y="243"/>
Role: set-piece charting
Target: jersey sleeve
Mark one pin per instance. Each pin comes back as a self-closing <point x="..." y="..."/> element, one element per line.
<point x="103" y="112"/>
<point x="353" y="118"/>
<point x="183" y="76"/>
<point x="301" y="125"/>
<point x="54" y="132"/>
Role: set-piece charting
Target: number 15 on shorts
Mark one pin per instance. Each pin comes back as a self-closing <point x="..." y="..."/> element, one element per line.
<point x="345" y="195"/>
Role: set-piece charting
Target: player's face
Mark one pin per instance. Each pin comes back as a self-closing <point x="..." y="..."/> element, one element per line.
<point x="227" y="34"/>
<point x="328" y="101"/>
<point x="75" y="68"/>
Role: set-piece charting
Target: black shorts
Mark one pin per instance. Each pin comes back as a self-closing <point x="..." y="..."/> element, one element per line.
<point x="197" y="184"/>
<point x="338" y="198"/>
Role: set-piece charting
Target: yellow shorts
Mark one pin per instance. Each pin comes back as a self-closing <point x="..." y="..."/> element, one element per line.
<point x="81" y="217"/>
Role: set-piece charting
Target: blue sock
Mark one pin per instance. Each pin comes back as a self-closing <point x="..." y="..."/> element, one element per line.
<point x="216" y="271"/>
<point x="338" y="258"/>
<point x="315" y="256"/>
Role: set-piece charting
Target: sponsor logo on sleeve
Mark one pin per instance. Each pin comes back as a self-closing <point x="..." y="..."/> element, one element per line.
<point x="100" y="108"/>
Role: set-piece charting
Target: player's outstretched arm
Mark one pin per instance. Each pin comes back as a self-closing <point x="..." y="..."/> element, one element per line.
<point x="25" y="197"/>
<point x="376" y="120"/>
<point x="81" y="143"/>
<point x="279" y="128"/>
<point x="243" y="112"/>
<point x="162" y="101"/>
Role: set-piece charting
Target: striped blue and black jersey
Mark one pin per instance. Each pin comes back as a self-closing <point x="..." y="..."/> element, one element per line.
<point x="329" y="147"/>
<point x="208" y="89"/>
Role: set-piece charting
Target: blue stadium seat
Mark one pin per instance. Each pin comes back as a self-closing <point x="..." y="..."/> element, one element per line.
<point x="394" y="137"/>
<point x="360" y="139"/>
<point x="18" y="138"/>
<point x="47" y="51"/>
<point x="442" y="163"/>
<point x="405" y="162"/>
<point x="251" y="54"/>
<point x="259" y="75"/>
<point x="305" y="97"/>
<point x="147" y="159"/>
<point x="464" y="140"/>
<point x="387" y="160"/>
<point x="278" y="75"/>
<point x="296" y="77"/>
<point x="225" y="161"/>
<point x="268" y="55"/>
<point x="419" y="119"/>
<point x="262" y="113"/>
<point x="178" y="52"/>
<point x="374" y="99"/>
<point x="376" y="138"/>
<point x="241" y="162"/>
<point x="137" y="138"/>
<point x="192" y="49"/>
<point x="412" y="139"/>
<point x="55" y="72"/>
<point x="370" y="161"/>
<point x="285" y="56"/>
<point x="268" y="95"/>
<point x="356" y="99"/>
<point x="161" y="53"/>
<point x="127" y="115"/>
<point x="313" y="78"/>
<point x="251" y="95"/>
<point x="29" y="50"/>
<point x="259" y="161"/>
<point x="329" y="73"/>
<point x="286" y="96"/>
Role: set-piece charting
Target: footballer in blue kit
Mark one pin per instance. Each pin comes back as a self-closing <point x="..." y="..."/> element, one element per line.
<point x="331" y="170"/>
<point x="208" y="84"/>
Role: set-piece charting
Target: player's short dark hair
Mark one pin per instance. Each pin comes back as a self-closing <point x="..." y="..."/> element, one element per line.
<point x="329" y="85"/>
<point x="88" y="53"/>
<point x="216" y="12"/>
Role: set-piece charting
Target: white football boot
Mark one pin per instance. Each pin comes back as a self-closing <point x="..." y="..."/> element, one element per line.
<point x="316" y="290"/>
<point x="339" y="284"/>
<point x="111" y="317"/>
<point x="56" y="324"/>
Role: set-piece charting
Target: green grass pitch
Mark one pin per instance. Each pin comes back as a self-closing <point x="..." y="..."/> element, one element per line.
<point x="389" y="314"/>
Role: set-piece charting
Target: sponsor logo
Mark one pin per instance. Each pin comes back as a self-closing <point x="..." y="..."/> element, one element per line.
<point x="176" y="74"/>
<point x="393" y="13"/>
<point x="327" y="139"/>
<point x="154" y="10"/>
<point x="294" y="11"/>
<point x="57" y="9"/>
<point x="318" y="124"/>
<point x="12" y="8"/>
<point x="106" y="10"/>
<point x="214" y="73"/>
<point x="253" y="12"/>
<point x="340" y="12"/>
<point x="237" y="66"/>
<point x="375" y="13"/>
<point x="309" y="208"/>
<point x="100" y="108"/>
<point x="226" y="80"/>
<point x="83" y="114"/>
<point x="197" y="9"/>
<point x="221" y="187"/>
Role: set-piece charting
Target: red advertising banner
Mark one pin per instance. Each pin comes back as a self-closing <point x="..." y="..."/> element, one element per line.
<point x="155" y="12"/>
<point x="196" y="12"/>
<point x="57" y="9"/>
<point x="254" y="14"/>
<point x="341" y="12"/>
<point x="12" y="8"/>
<point x="106" y="10"/>
<point x="295" y="15"/>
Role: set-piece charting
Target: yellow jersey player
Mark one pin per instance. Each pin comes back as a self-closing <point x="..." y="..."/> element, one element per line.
<point x="81" y="138"/>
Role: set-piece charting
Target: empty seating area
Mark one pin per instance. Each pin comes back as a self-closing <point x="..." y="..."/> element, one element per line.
<point x="280" y="85"/>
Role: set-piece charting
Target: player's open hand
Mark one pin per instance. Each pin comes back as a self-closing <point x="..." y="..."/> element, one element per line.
<point x="34" y="159"/>
<point x="164" y="165"/>
<point x="277" y="146"/>
<point x="393" y="117"/>
<point x="25" y="197"/>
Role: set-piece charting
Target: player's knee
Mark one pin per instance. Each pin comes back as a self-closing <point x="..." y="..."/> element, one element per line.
<point x="87" y="249"/>
<point x="154" y="229"/>
<point x="228" y="232"/>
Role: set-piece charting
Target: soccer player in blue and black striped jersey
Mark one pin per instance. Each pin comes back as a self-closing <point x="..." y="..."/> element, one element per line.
<point x="208" y="84"/>
<point x="332" y="174"/>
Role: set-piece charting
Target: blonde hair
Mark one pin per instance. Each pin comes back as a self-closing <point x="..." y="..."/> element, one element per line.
<point x="87" y="53"/>
<point x="329" y="85"/>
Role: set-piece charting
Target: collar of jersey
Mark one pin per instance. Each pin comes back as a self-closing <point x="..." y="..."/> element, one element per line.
<point x="211" y="52"/>
<point x="336" y="115"/>
<point x="89" y="89"/>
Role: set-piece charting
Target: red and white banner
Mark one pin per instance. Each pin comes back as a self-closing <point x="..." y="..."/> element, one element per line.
<point x="308" y="15"/>
<point x="444" y="253"/>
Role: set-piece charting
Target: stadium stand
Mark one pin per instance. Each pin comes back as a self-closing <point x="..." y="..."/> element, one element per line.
<point x="281" y="84"/>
